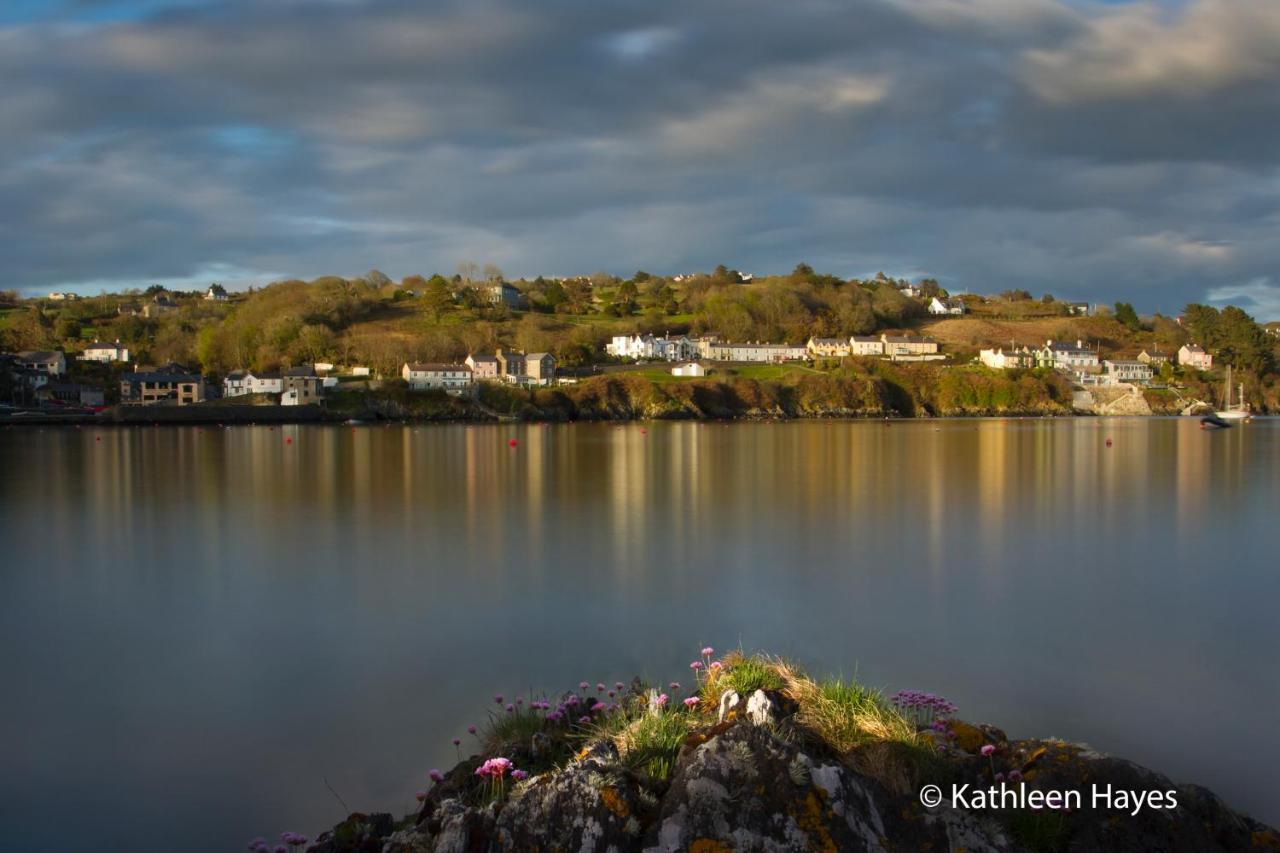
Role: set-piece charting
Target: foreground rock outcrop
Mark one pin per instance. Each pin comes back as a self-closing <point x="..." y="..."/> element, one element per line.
<point x="792" y="766"/>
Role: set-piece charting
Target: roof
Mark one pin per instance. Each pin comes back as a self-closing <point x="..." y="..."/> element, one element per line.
<point x="39" y="355"/>
<point x="160" y="376"/>
<point x="828" y="341"/>
<point x="484" y="358"/>
<point x="425" y="367"/>
<point x="908" y="339"/>
<point x="865" y="339"/>
<point x="1127" y="362"/>
<point x="538" y="356"/>
<point x="100" y="345"/>
<point x="1193" y="348"/>
<point x="304" y="370"/>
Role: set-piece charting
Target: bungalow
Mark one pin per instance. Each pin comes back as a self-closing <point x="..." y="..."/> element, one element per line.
<point x="909" y="290"/>
<point x="171" y="383"/>
<point x="1013" y="359"/>
<point x="70" y="394"/>
<point x="1128" y="371"/>
<point x="690" y="369"/>
<point x="1155" y="359"/>
<point x="944" y="305"/>
<point x="105" y="353"/>
<point x="300" y="386"/>
<point x="828" y="347"/>
<point x="1193" y="355"/>
<point x="452" y="378"/>
<point x="216" y="293"/>
<point x="482" y="367"/>
<point x="63" y="296"/>
<point x="865" y="345"/>
<point x="540" y="368"/>
<point x="900" y="345"/>
<point x="1066" y="357"/>
<point x="1079" y="309"/>
<point x="50" y="363"/>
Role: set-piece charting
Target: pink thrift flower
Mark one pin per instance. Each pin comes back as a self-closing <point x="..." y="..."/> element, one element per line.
<point x="436" y="776"/>
<point x="691" y="701"/>
<point x="716" y="666"/>
<point x="988" y="749"/>
<point x="599" y="706"/>
<point x="708" y="652"/>
<point x="519" y="775"/>
<point x="420" y="795"/>
<point x="696" y="665"/>
<point x="584" y="686"/>
<point x="662" y="700"/>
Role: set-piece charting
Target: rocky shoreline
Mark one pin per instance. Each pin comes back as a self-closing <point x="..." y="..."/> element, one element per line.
<point x="760" y="757"/>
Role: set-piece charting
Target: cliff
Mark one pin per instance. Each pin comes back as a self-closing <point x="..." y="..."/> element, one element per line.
<point x="759" y="757"/>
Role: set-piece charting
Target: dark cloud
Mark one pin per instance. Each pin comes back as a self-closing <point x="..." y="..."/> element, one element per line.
<point x="1096" y="151"/>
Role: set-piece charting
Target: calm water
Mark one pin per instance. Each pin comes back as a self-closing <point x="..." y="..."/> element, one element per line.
<point x="201" y="626"/>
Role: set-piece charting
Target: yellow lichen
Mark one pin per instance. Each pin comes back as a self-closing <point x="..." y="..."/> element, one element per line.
<point x="614" y="803"/>
<point x="709" y="845"/>
<point x="810" y="818"/>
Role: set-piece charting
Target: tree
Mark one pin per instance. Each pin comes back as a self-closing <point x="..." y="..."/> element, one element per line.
<point x="641" y="277"/>
<point x="437" y="297"/>
<point x="1127" y="316"/>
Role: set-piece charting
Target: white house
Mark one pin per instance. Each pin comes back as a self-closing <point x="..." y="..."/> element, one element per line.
<point x="631" y="346"/>
<point x="1194" y="355"/>
<point x="939" y="305"/>
<point x="690" y="369"/>
<point x="866" y="345"/>
<point x="1065" y="356"/>
<point x="359" y="371"/>
<point x="1128" y="371"/>
<point x="1001" y="360"/>
<point x="216" y="293"/>
<point x="237" y="383"/>
<point x="105" y="353"/>
<point x="63" y="296"/>
<point x="453" y="378"/>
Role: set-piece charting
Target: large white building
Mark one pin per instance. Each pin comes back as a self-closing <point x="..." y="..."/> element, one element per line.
<point x="238" y="383"/>
<point x="454" y="378"/>
<point x="1128" y="371"/>
<point x="866" y="345"/>
<point x="1064" y="356"/>
<point x="752" y="352"/>
<point x="940" y="305"/>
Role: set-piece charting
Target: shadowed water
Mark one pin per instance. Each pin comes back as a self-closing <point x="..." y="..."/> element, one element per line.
<point x="200" y="627"/>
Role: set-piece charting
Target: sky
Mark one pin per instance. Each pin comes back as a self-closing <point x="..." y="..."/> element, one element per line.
<point x="1099" y="151"/>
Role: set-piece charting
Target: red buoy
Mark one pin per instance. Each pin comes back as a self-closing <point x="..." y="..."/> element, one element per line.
<point x="288" y="440"/>
<point x="512" y="443"/>
<point x="1108" y="442"/>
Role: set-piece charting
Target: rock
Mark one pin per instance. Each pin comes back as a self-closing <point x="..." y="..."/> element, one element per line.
<point x="594" y="804"/>
<point x="746" y="790"/>
<point x="761" y="710"/>
<point x="729" y="701"/>
<point x="359" y="832"/>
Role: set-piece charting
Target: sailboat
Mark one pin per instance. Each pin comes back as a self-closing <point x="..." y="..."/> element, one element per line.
<point x="1238" y="412"/>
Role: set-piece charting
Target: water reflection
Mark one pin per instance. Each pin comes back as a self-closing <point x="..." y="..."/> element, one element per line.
<point x="218" y="619"/>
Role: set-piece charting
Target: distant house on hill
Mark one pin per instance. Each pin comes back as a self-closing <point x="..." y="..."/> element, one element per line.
<point x="159" y="305"/>
<point x="216" y="293"/>
<point x="63" y="296"/>
<point x="1194" y="355"/>
<point x="946" y="305"/>
<point x="501" y="293"/>
<point x="1079" y="309"/>
<point x="105" y="353"/>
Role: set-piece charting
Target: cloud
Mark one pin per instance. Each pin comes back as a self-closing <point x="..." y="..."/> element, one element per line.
<point x="1101" y="152"/>
<point x="1260" y="297"/>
